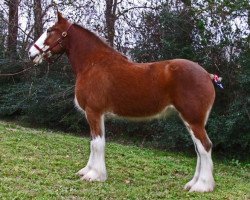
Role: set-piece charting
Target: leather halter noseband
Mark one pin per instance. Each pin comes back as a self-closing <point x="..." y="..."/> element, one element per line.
<point x="47" y="53"/>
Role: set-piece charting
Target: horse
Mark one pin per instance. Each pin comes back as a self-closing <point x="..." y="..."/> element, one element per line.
<point x="108" y="82"/>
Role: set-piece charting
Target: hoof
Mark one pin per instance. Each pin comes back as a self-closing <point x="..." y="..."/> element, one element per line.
<point x="93" y="175"/>
<point x="203" y="186"/>
<point x="190" y="183"/>
<point x="83" y="171"/>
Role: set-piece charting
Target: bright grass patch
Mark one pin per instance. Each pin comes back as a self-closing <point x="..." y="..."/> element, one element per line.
<point x="41" y="164"/>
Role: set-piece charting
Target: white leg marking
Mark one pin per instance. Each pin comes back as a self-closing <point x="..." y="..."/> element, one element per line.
<point x="196" y="174"/>
<point x="89" y="165"/>
<point x="198" y="164"/>
<point x="205" y="182"/>
<point x="95" y="169"/>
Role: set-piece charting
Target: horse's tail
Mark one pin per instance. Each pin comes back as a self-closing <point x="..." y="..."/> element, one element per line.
<point x="217" y="80"/>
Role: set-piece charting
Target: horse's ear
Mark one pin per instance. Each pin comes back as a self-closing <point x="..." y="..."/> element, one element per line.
<point x="59" y="16"/>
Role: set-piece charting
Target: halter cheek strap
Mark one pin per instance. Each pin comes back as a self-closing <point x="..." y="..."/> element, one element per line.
<point x="47" y="53"/>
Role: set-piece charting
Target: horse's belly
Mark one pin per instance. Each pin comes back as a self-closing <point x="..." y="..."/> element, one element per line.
<point x="166" y="111"/>
<point x="140" y="108"/>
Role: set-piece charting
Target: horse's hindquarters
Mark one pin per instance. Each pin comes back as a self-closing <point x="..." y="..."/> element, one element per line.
<point x="192" y="91"/>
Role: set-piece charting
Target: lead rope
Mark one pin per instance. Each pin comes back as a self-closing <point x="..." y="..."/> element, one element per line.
<point x="14" y="74"/>
<point x="24" y="70"/>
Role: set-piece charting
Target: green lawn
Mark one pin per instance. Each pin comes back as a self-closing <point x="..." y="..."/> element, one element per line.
<point x="41" y="164"/>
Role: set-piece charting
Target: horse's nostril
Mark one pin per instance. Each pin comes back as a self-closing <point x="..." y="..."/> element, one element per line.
<point x="31" y="57"/>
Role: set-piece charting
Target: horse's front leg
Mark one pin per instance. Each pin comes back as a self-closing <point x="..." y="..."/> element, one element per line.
<point x="95" y="169"/>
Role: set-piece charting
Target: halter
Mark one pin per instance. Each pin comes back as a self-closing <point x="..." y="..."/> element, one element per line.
<point x="46" y="54"/>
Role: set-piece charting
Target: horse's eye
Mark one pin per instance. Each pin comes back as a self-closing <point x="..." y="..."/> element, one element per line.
<point x="49" y="30"/>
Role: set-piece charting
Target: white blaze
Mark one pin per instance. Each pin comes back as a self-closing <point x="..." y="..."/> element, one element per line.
<point x="34" y="52"/>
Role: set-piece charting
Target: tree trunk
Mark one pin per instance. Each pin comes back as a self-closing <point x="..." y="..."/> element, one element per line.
<point x="38" y="26"/>
<point x="189" y="25"/>
<point x="12" y="28"/>
<point x="110" y="17"/>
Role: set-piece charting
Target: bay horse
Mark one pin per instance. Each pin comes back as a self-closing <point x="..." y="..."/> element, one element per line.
<point x="108" y="82"/>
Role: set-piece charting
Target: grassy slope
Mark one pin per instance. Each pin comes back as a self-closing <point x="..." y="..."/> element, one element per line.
<point x="41" y="164"/>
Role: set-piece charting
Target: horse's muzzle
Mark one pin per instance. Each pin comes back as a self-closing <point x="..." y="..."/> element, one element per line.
<point x="32" y="57"/>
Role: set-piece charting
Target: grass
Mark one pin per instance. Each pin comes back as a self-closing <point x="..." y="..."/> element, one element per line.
<point x="41" y="164"/>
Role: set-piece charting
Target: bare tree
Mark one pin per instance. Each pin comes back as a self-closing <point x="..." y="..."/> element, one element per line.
<point x="12" y="27"/>
<point x="38" y="26"/>
<point x="110" y="18"/>
<point x="122" y="19"/>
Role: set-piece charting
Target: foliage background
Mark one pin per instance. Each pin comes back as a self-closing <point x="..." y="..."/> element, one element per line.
<point x="211" y="32"/>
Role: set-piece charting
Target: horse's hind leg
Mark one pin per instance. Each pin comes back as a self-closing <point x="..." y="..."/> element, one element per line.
<point x="194" y="101"/>
<point x="203" y="180"/>
<point x="198" y="164"/>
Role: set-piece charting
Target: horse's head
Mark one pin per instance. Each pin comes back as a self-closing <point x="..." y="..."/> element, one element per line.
<point x="51" y="41"/>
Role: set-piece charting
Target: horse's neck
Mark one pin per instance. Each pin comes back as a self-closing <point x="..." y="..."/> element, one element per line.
<point x="85" y="51"/>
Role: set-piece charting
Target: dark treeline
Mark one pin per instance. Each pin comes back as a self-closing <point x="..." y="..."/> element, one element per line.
<point x="213" y="33"/>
